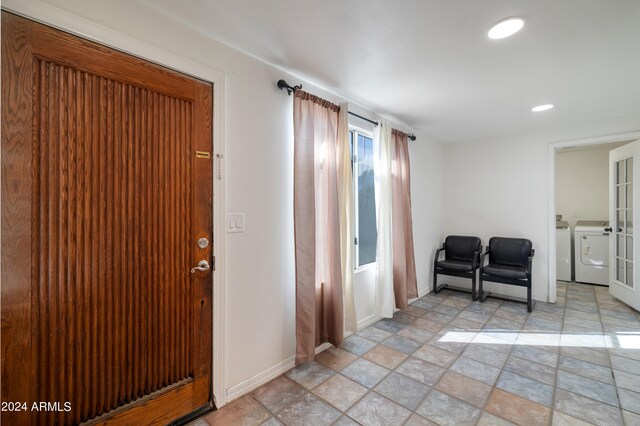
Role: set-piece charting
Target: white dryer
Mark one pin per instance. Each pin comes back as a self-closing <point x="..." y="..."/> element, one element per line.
<point x="592" y="251"/>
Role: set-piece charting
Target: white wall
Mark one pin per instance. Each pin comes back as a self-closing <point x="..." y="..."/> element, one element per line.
<point x="500" y="187"/>
<point x="428" y="186"/>
<point x="259" y="337"/>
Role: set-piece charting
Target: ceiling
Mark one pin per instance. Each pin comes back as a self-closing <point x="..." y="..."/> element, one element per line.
<point x="430" y="64"/>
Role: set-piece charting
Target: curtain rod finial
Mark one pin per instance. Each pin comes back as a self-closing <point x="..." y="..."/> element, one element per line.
<point x="412" y="137"/>
<point x="282" y="85"/>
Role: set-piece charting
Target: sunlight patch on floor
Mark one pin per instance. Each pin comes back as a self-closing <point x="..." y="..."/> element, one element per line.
<point x="624" y="340"/>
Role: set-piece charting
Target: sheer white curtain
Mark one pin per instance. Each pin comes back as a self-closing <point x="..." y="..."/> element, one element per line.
<point x="345" y="200"/>
<point x="385" y="301"/>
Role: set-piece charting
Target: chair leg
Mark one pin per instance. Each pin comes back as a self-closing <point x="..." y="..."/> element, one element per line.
<point x="435" y="281"/>
<point x="529" y="304"/>
<point x="482" y="295"/>
<point x="474" y="295"/>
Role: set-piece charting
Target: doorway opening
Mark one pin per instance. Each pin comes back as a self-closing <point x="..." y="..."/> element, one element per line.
<point x="579" y="205"/>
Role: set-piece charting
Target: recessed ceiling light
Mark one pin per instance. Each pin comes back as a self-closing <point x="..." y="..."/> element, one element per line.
<point x="505" y="28"/>
<point x="542" y="107"/>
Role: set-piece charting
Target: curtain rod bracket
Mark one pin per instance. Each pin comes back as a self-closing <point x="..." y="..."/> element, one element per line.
<point x="282" y="85"/>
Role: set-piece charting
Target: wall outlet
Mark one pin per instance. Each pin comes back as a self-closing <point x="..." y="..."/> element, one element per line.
<point x="235" y="222"/>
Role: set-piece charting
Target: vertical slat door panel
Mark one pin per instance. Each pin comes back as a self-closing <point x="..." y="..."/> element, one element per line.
<point x="117" y="319"/>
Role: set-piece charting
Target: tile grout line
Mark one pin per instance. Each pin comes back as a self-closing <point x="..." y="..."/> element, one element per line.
<point x="613" y="375"/>
<point x="430" y="387"/>
<point x="457" y="355"/>
<point x="555" y="379"/>
<point x="505" y="363"/>
<point x="619" y="407"/>
<point x="408" y="356"/>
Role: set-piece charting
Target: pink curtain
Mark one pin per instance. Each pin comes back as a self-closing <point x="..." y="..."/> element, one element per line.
<point x="319" y="305"/>
<point x="405" y="285"/>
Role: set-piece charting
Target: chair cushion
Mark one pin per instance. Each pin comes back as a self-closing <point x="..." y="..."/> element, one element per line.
<point x="455" y="265"/>
<point x="461" y="248"/>
<point x="509" y="251"/>
<point x="506" y="271"/>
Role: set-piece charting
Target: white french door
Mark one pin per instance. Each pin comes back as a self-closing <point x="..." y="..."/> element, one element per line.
<point x="624" y="242"/>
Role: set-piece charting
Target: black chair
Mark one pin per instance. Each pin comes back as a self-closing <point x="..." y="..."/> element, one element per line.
<point x="461" y="259"/>
<point x="510" y="261"/>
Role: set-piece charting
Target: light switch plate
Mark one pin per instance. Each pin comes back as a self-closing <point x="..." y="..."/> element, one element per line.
<point x="235" y="222"/>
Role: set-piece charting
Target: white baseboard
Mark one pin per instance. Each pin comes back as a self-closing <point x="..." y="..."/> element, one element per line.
<point x="260" y="379"/>
<point x="423" y="292"/>
<point x="366" y="322"/>
<point x="323" y="347"/>
<point x="266" y="376"/>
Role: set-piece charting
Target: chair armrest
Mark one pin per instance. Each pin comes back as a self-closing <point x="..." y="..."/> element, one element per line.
<point x="482" y="256"/>
<point x="533" y="252"/>
<point x="435" y="259"/>
<point x="476" y="258"/>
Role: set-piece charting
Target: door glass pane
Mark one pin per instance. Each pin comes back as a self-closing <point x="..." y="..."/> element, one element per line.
<point x="630" y="169"/>
<point x="620" y="171"/>
<point x="629" y="221"/>
<point x="619" y="219"/>
<point x="620" y="245"/>
<point x="620" y="264"/>
<point x="629" y="253"/>
<point x="629" y="274"/>
<point x="629" y="195"/>
<point x="367" y="232"/>
<point x="620" y="196"/>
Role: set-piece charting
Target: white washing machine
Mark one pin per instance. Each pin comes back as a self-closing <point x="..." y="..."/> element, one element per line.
<point x="563" y="251"/>
<point x="592" y="251"/>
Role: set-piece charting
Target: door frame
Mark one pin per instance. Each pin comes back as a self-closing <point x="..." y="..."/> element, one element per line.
<point x="551" y="218"/>
<point x="68" y="22"/>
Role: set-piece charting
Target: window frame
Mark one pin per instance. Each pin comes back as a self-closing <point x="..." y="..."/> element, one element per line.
<point x="354" y="131"/>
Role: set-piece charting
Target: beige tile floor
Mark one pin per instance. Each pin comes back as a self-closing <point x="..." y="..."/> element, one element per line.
<point x="449" y="361"/>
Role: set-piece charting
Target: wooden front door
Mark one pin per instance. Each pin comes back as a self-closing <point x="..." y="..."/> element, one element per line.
<point x="103" y="201"/>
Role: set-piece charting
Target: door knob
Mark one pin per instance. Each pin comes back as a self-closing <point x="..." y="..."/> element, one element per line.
<point x="608" y="230"/>
<point x="203" y="265"/>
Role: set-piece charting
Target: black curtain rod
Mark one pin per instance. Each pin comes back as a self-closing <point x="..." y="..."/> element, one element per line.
<point x="283" y="85"/>
<point x="375" y="123"/>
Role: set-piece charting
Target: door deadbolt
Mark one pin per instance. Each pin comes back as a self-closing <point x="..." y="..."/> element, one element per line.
<point x="203" y="243"/>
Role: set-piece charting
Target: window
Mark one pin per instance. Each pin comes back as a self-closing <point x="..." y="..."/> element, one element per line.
<point x="366" y="233"/>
